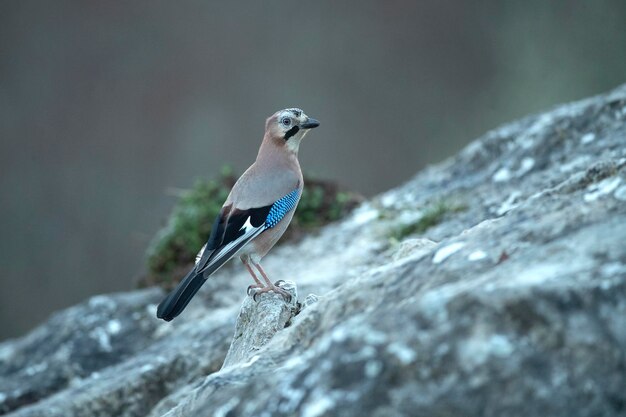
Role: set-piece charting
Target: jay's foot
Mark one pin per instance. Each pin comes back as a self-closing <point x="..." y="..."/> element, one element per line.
<point x="275" y="288"/>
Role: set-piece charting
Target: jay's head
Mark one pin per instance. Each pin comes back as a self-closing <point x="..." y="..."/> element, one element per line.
<point x="287" y="127"/>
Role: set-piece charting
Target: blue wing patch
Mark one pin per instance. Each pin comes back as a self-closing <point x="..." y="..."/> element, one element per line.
<point x="281" y="207"/>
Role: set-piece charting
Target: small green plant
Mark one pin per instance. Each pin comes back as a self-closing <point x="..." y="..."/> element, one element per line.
<point x="187" y="229"/>
<point x="432" y="216"/>
<point x="174" y="247"/>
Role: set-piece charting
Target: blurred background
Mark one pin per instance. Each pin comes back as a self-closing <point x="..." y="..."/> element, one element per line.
<point x="105" y="107"/>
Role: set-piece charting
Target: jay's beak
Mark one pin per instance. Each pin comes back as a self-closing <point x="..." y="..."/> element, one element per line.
<point x="310" y="123"/>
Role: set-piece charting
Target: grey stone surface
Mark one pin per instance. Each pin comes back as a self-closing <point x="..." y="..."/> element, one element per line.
<point x="515" y="305"/>
<point x="259" y="321"/>
<point x="108" y="357"/>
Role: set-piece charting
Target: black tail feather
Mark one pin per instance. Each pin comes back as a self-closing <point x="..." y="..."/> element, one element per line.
<point x="177" y="300"/>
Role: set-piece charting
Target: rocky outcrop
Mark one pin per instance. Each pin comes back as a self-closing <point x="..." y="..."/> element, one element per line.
<point x="491" y="284"/>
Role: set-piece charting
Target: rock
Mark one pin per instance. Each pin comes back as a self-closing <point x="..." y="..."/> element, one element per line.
<point x="75" y="344"/>
<point x="411" y="246"/>
<point x="310" y="300"/>
<point x="517" y="307"/>
<point x="108" y="356"/>
<point x="258" y="322"/>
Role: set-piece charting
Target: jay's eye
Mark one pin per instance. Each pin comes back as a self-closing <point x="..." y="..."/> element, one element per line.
<point x="286" y="121"/>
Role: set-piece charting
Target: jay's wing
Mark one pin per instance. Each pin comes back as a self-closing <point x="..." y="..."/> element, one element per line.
<point x="232" y="230"/>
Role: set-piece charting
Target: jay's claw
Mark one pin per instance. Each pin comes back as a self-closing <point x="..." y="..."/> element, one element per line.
<point x="285" y="294"/>
<point x="252" y="288"/>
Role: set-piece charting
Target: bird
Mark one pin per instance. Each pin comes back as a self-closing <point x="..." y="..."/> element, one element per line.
<point x="255" y="214"/>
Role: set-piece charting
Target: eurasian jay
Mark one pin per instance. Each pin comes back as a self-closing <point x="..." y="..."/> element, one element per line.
<point x="255" y="214"/>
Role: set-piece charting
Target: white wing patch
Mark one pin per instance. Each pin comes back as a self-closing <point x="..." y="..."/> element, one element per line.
<point x="199" y="255"/>
<point x="249" y="233"/>
<point x="247" y="226"/>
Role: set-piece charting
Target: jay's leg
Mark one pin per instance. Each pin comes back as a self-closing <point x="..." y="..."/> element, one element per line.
<point x="270" y="286"/>
<point x="258" y="283"/>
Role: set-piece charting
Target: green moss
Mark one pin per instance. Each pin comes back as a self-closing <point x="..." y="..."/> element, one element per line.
<point x="432" y="216"/>
<point x="186" y="229"/>
<point x="174" y="248"/>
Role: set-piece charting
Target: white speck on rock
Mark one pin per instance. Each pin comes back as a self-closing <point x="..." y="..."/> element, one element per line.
<point x="63" y="353"/>
<point x="620" y="193"/>
<point x="525" y="142"/>
<point x="103" y="339"/>
<point x="35" y="369"/>
<point x="404" y="354"/>
<point x="447" y="251"/>
<point x="477" y="255"/>
<point x="409" y="216"/>
<point x="293" y="398"/>
<point x="536" y="274"/>
<point x="102" y="301"/>
<point x="339" y="334"/>
<point x="613" y="269"/>
<point x="575" y="164"/>
<point x="502" y="175"/>
<point x="114" y="326"/>
<point x="6" y="352"/>
<point x="602" y="188"/>
<point x="3" y="397"/>
<point x="294" y="362"/>
<point x="388" y="200"/>
<point x="366" y="352"/>
<point x="510" y="203"/>
<point x="526" y="165"/>
<point x="364" y="215"/>
<point x="146" y="368"/>
<point x="318" y="406"/>
<point x="373" y="368"/>
<point x="251" y="361"/>
<point x="500" y="345"/>
<point x="480" y="347"/>
<point x="587" y="138"/>
<point x="540" y="124"/>
<point x="606" y="284"/>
